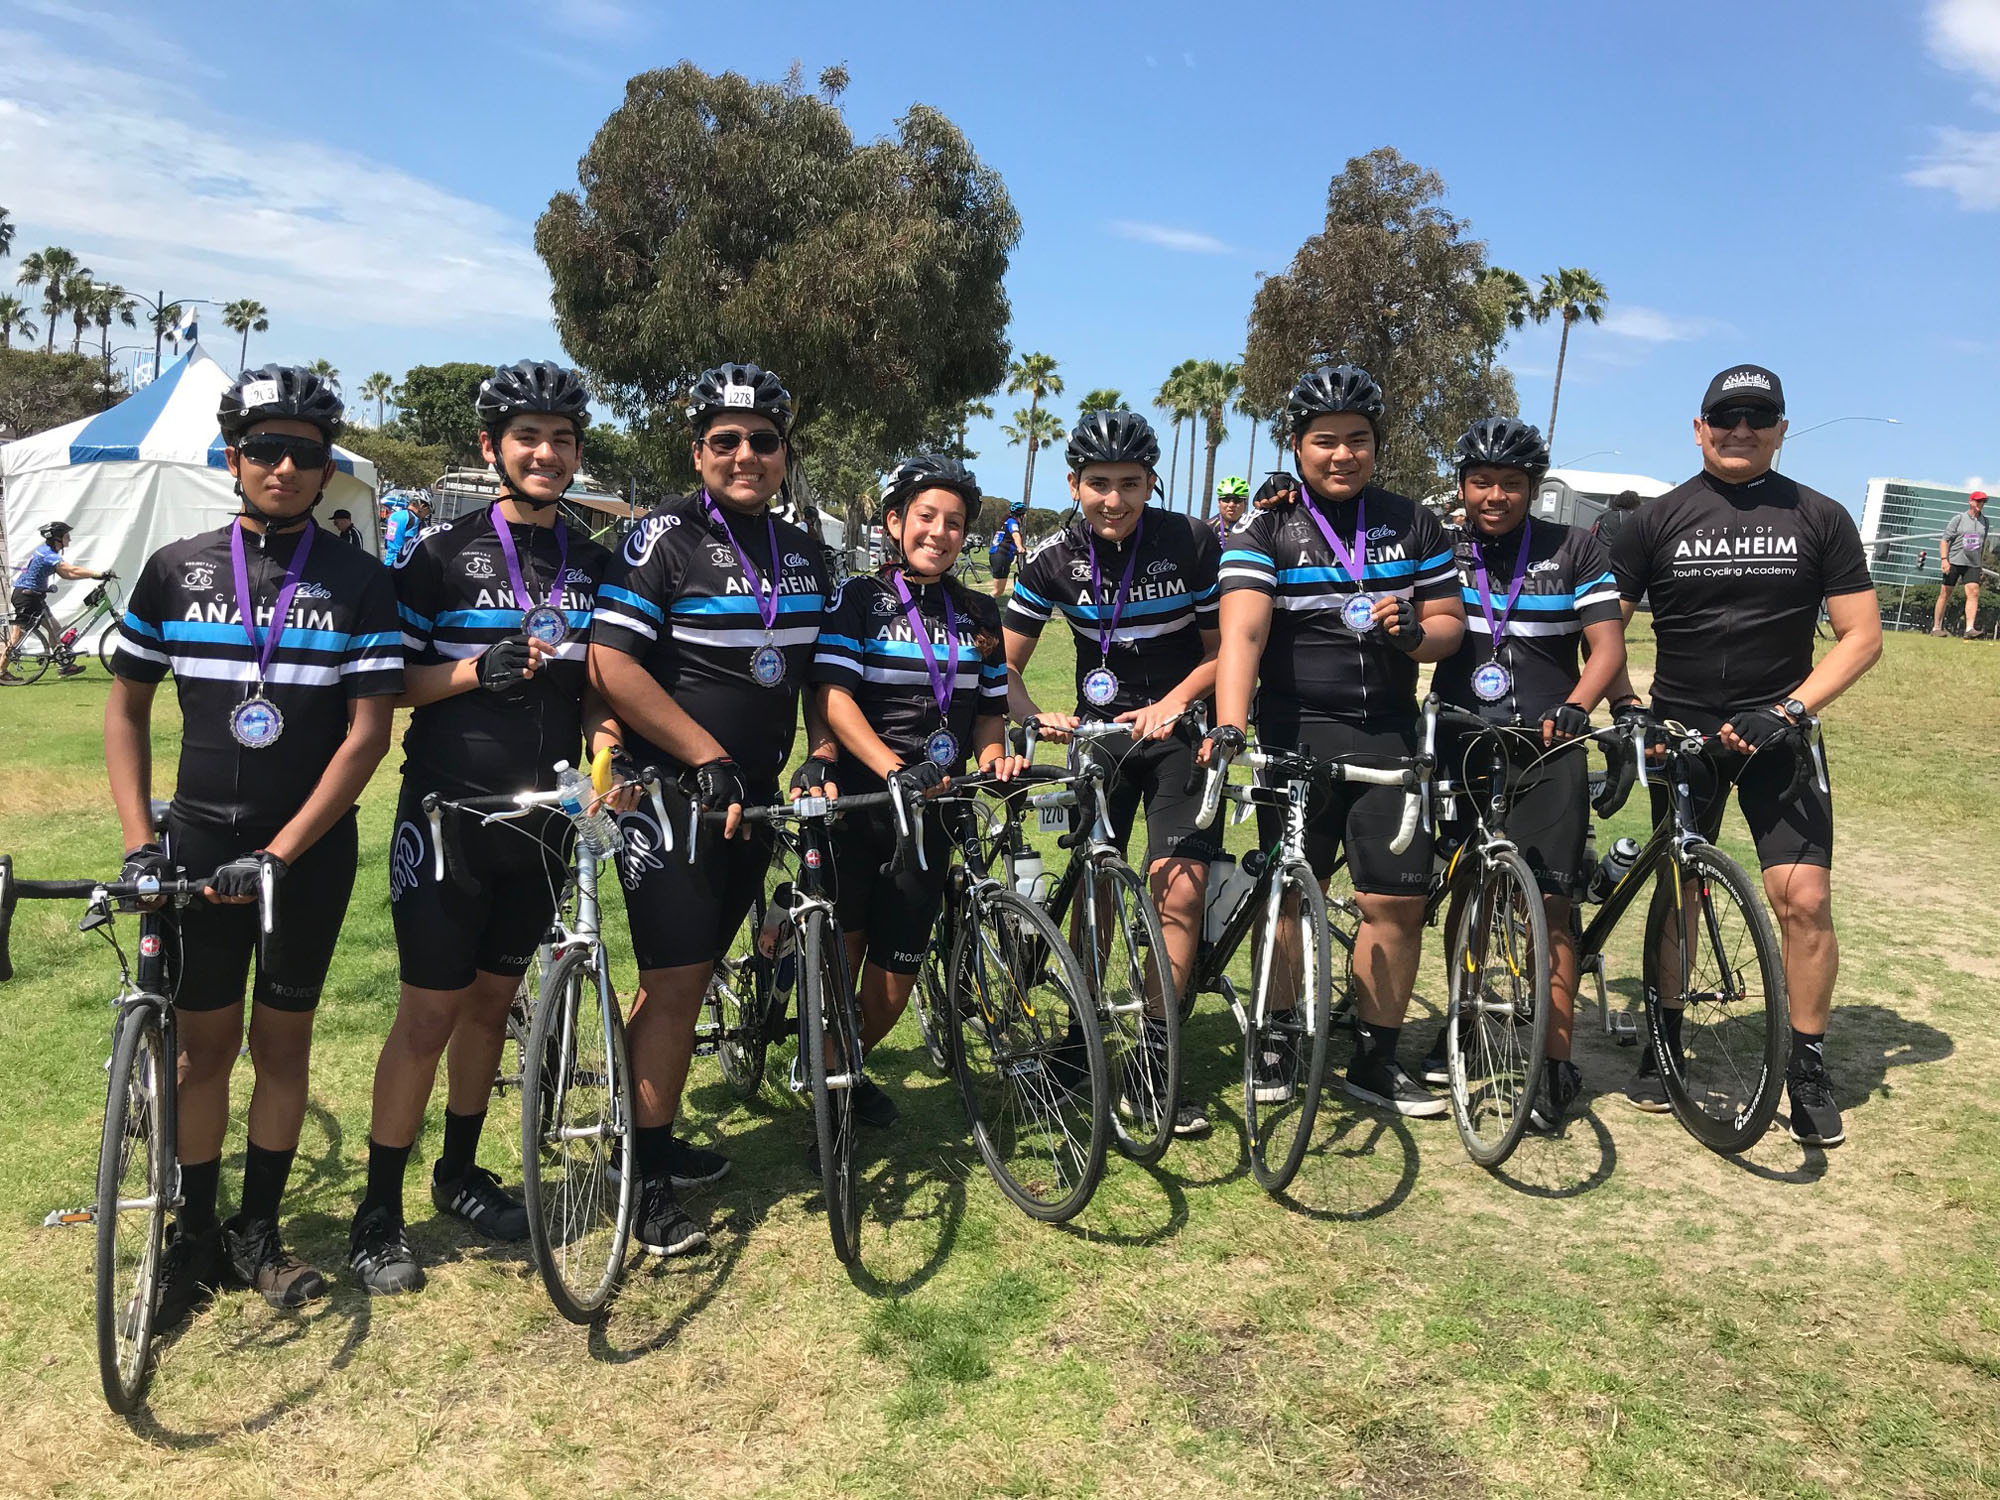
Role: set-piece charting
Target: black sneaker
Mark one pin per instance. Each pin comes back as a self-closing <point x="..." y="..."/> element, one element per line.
<point x="1190" y="1119"/>
<point x="1388" y="1085"/>
<point x="1647" y="1090"/>
<point x="872" y="1105"/>
<point x="1436" y="1067"/>
<point x="260" y="1260"/>
<point x="190" y="1271"/>
<point x="663" y="1227"/>
<point x="379" y="1255"/>
<point x="1815" y="1116"/>
<point x="1276" y="1071"/>
<point x="1560" y="1085"/>
<point x="478" y="1199"/>
<point x="692" y="1166"/>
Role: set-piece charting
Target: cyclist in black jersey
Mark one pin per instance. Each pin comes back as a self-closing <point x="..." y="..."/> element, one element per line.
<point x="1533" y="592"/>
<point x="281" y="726"/>
<point x="1738" y="563"/>
<point x="495" y="611"/>
<point x="1327" y="607"/>
<point x="1137" y="585"/>
<point x="702" y="640"/>
<point x="912" y="681"/>
<point x="1232" y="498"/>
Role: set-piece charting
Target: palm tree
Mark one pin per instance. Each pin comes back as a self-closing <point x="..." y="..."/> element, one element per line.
<point x="1037" y="428"/>
<point x="107" y="305"/>
<point x="6" y="233"/>
<point x="325" y="370"/>
<point x="1214" y="388"/>
<point x="1173" y="399"/>
<point x="1574" y="293"/>
<point x="966" y="413"/>
<point x="165" y="322"/>
<point x="14" y="319"/>
<point x="1102" y="399"/>
<point x="1509" y="295"/>
<point x="1035" y="374"/>
<point x="79" y="297"/>
<point x="51" y="270"/>
<point x="245" y="316"/>
<point x="376" y="388"/>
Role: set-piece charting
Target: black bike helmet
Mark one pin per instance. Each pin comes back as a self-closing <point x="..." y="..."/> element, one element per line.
<point x="738" y="387"/>
<point x="930" y="471"/>
<point x="533" y="385"/>
<point x="1503" y="443"/>
<point x="1113" y="437"/>
<point x="1333" y="388"/>
<point x="275" y="391"/>
<point x="55" y="529"/>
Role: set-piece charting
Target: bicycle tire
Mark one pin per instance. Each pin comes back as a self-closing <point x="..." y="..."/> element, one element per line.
<point x="107" y="643"/>
<point x="826" y="1004"/>
<point x="1135" y="965"/>
<point x="1724" y="1095"/>
<point x="1278" y="1131"/>
<point x="128" y="1284"/>
<point x="31" y="656"/>
<point x="927" y="1000"/>
<point x="739" y="995"/>
<point x="1008" y="1051"/>
<point x="1495" y="1044"/>
<point x="576" y="1096"/>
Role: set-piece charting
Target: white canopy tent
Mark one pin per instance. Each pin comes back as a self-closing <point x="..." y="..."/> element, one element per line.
<point x="147" y="472"/>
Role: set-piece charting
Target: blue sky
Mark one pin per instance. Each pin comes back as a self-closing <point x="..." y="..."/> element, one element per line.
<point x="1813" y="186"/>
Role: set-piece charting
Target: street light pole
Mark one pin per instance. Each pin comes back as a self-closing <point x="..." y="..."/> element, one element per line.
<point x="1892" y="421"/>
<point x="159" y="317"/>
<point x="1594" y="453"/>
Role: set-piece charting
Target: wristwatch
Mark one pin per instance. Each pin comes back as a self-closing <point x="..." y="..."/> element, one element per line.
<point x="1793" y="709"/>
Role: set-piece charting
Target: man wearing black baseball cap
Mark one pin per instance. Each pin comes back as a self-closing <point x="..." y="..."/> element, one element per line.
<point x="1738" y="562"/>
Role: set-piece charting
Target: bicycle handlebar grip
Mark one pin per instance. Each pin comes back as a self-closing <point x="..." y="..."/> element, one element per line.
<point x="7" y="899"/>
<point x="1622" y="760"/>
<point x="1412" y="807"/>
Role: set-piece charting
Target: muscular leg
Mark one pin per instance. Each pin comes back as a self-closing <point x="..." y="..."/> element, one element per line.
<point x="1937" y="614"/>
<point x="1386" y="949"/>
<point x="407" y="1068"/>
<point x="1802" y="898"/>
<point x="660" y="1032"/>
<point x="883" y="998"/>
<point x="477" y="1042"/>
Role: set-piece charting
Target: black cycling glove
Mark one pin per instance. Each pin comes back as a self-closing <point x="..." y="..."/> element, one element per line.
<point x="1761" y="727"/>
<point x="146" y="860"/>
<point x="920" y="778"/>
<point x="1572" y="721"/>
<point x="1409" y="631"/>
<point x="244" y="875"/>
<point x="813" y="772"/>
<point x="504" y="665"/>
<point x="717" y="786"/>
<point x="1226" y="740"/>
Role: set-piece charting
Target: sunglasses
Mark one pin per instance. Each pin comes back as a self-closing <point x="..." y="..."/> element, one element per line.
<point x="763" y="444"/>
<point x="269" y="449"/>
<point x="1760" y="418"/>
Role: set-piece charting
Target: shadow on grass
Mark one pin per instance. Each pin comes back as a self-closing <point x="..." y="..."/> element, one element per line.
<point x="1171" y="1198"/>
<point x="1519" y="1171"/>
<point x="1353" y="1138"/>
<point x="706" y="1273"/>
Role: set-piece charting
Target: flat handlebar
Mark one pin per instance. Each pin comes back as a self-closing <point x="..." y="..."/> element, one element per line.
<point x="102" y="892"/>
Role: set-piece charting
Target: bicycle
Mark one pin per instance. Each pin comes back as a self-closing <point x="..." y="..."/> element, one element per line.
<point x="47" y="643"/>
<point x="138" y="1175"/>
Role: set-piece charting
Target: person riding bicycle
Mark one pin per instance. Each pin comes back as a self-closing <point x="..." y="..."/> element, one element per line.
<point x="701" y="644"/>
<point x="34" y="583"/>
<point x="1137" y="584"/>
<point x="495" y="609"/>
<point x="911" y="679"/>
<point x="284" y="650"/>
<point x="1738" y="562"/>
<point x="1232" y="498"/>
<point x="1008" y="542"/>
<point x="1327" y="607"/>
<point x="1533" y="590"/>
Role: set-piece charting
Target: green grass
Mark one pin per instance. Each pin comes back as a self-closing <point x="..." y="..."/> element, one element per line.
<point x="1619" y="1314"/>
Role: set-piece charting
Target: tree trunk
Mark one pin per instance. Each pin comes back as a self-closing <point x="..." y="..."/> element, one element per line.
<point x="1174" y="464"/>
<point x="1562" y="353"/>
<point x="243" y="351"/>
<point x="1208" y="480"/>
<point x="1028" y="479"/>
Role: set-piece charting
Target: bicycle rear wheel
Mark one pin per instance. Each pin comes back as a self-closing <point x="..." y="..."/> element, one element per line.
<point x="107" y="643"/>
<point x="1029" y="1057"/>
<point x="1297" y="1013"/>
<point x="1725" y="1083"/>
<point x="575" y="1132"/>
<point x="31" y="656"/>
<point x="1132" y="977"/>
<point x="132" y="1171"/>
<point x="928" y="1000"/>
<point x="832" y="1046"/>
<point x="1497" y="1017"/>
<point x="739" y="994"/>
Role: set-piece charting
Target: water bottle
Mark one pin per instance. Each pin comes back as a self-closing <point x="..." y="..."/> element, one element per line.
<point x="598" y="832"/>
<point x="69" y="636"/>
<point x="1229" y="886"/>
<point x="1029" y="881"/>
<point x="1614" y="867"/>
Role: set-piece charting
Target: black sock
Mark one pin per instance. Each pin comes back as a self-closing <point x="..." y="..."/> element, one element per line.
<point x="461" y="1144"/>
<point x="652" y="1146"/>
<point x="1670" y="1023"/>
<point x="1376" y="1043"/>
<point x="199" y="1181"/>
<point x="1808" y="1050"/>
<point x="264" y="1176"/>
<point x="386" y="1165"/>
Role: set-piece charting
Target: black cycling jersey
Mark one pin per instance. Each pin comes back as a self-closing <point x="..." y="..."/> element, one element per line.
<point x="1172" y="599"/>
<point x="1313" y="664"/>
<point x="677" y="600"/>
<point x="1568" y="586"/>
<point x="867" y="647"/>
<point x="455" y="598"/>
<point x="340" y="643"/>
<point x="1736" y="574"/>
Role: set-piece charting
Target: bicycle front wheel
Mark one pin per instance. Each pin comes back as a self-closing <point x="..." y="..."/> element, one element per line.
<point x="1029" y="1057"/>
<point x="132" y="1170"/>
<point x="1726" y="976"/>
<point x="833" y="1061"/>
<point x="576" y="1141"/>
<point x="739" y="994"/>
<point x="107" y="644"/>
<point x="1286" y="1031"/>
<point x="31" y="655"/>
<point x="1137" y="1008"/>
<point x="1497" y="1017"/>
<point x="927" y="999"/>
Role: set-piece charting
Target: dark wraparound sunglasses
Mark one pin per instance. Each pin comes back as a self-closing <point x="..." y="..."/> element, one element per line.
<point x="269" y="449"/>
<point x="762" y="443"/>
<point x="1760" y="418"/>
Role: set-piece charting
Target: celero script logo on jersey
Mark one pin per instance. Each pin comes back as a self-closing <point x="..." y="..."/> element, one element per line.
<point x="573" y="577"/>
<point x="1160" y="568"/>
<point x="406" y="860"/>
<point x="793" y="560"/>
<point x="1379" y="533"/>
<point x="639" y="545"/>
<point x="200" y="575"/>
<point x="1741" y="380"/>
<point x="644" y="843"/>
<point x="477" y="565"/>
<point x="308" y="589"/>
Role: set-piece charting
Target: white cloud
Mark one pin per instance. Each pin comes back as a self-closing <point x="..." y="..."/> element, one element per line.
<point x="1965" y="163"/>
<point x="1978" y="482"/>
<point x="1650" y="325"/>
<point x="1965" y="36"/>
<point x="598" y="17"/>
<point x="135" y="175"/>
<point x="1167" y="237"/>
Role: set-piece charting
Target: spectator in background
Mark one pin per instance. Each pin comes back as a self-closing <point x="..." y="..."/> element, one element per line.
<point x="1961" y="556"/>
<point x="404" y="524"/>
<point x="343" y="527"/>
<point x="1617" y="511"/>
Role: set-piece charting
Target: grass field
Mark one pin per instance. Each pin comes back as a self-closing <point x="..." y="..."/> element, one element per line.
<point x="1621" y="1313"/>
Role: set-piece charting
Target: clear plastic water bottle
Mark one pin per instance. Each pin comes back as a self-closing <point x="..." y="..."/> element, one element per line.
<point x="598" y="832"/>
<point x="1029" y="881"/>
<point x="1614" y="867"/>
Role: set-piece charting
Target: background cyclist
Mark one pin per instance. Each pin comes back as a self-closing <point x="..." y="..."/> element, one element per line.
<point x="1232" y="498"/>
<point x="1962" y="557"/>
<point x="33" y="584"/>
<point x="1008" y="541"/>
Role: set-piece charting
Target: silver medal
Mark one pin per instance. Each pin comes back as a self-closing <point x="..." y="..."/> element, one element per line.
<point x="546" y="624"/>
<point x="1492" y="682"/>
<point x="255" y="723"/>
<point x="1358" y="613"/>
<point x="942" y="748"/>
<point x="767" y="666"/>
<point x="1100" y="686"/>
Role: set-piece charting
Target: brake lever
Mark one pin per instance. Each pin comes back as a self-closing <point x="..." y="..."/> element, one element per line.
<point x="435" y="813"/>
<point x="650" y="779"/>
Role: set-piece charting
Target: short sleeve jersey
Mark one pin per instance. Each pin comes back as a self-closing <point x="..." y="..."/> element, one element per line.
<point x="39" y="570"/>
<point x="456" y="599"/>
<point x="402" y="529"/>
<point x="676" y="599"/>
<point x="1170" y="601"/>
<point x="868" y="648"/>
<point x="1313" y="664"/>
<point x="1965" y="537"/>
<point x="1568" y="585"/>
<point x="1736" y="574"/>
<point x="1007" y="536"/>
<point x="340" y="643"/>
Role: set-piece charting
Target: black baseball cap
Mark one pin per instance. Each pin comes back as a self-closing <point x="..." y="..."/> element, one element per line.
<point x="343" y="515"/>
<point x="1744" y="385"/>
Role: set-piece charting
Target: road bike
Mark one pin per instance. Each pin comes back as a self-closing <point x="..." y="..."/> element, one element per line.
<point x="52" y="643"/>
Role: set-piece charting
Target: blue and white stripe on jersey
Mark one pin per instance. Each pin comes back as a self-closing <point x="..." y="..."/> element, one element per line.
<point x="1139" y="620"/>
<point x="1327" y="587"/>
<point x="219" y="650"/>
<point x="1543" y="614"/>
<point x="901" y="664"/>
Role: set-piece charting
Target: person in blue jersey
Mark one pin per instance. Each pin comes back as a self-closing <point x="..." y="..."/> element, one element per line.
<point x="286" y="662"/>
<point x="1009" y="541"/>
<point x="701" y="645"/>
<point x="496" y="610"/>
<point x="912" y="681"/>
<point x="1328" y="605"/>
<point x="33" y="584"/>
<point x="1137" y="586"/>
<point x="405" y="523"/>
<point x="1533" y="592"/>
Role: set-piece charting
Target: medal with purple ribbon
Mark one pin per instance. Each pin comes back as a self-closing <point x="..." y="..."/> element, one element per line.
<point x="544" y="622"/>
<point x="941" y="747"/>
<point x="1492" y="681"/>
<point x="767" y="662"/>
<point x="1100" y="683"/>
<point x="256" y="723"/>
<point x="1358" y="613"/>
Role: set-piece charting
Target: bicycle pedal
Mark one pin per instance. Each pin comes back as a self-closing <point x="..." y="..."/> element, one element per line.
<point x="69" y="1218"/>
<point x="705" y="1049"/>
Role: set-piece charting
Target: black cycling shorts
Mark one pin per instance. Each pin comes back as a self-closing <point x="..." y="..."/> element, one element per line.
<point x="27" y="606"/>
<point x="1548" y="820"/>
<point x="683" y="914"/>
<point x="493" y="907"/>
<point x="999" y="564"/>
<point x="1155" y="773"/>
<point x="1961" y="573"/>
<point x="1796" y="833"/>
<point x="218" y="942"/>
<point x="1362" y="819"/>
<point x="897" y="912"/>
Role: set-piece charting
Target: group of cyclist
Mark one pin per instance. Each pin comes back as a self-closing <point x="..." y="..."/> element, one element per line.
<point x="713" y="634"/>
